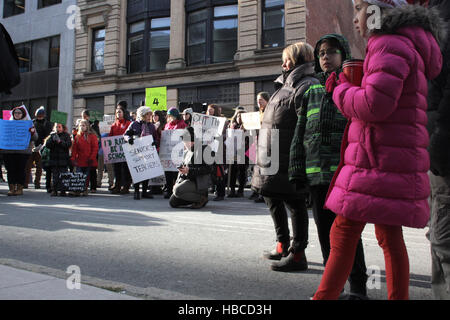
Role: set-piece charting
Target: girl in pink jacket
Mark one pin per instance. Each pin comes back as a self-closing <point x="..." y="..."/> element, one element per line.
<point x="382" y="177"/>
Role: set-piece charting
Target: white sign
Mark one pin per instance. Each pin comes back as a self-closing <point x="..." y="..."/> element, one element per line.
<point x="208" y="127"/>
<point x="142" y="159"/>
<point x="235" y="144"/>
<point x="251" y="120"/>
<point x="171" y="149"/>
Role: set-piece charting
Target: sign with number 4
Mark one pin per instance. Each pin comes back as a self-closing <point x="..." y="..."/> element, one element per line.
<point x="156" y="98"/>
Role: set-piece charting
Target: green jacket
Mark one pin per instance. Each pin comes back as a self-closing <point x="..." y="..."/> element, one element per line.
<point x="315" y="148"/>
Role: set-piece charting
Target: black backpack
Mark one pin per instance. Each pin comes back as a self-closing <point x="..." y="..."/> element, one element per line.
<point x="9" y="62"/>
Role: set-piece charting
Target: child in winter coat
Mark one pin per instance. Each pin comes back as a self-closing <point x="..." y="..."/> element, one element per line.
<point x="58" y="142"/>
<point x="84" y="150"/>
<point x="315" y="151"/>
<point x="382" y="177"/>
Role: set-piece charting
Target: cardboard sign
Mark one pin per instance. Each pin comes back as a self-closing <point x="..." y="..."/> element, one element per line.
<point x="251" y="120"/>
<point x="208" y="128"/>
<point x="142" y="159"/>
<point x="171" y="149"/>
<point x="156" y="98"/>
<point x="158" y="181"/>
<point x="69" y="181"/>
<point x="112" y="149"/>
<point x="58" y="117"/>
<point x="15" y="134"/>
<point x="6" y="114"/>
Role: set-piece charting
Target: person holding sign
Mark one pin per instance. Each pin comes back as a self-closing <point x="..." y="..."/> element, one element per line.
<point x="238" y="169"/>
<point x="16" y="160"/>
<point x="193" y="181"/>
<point x="58" y="142"/>
<point x="174" y="121"/>
<point x="140" y="128"/>
<point x="84" y="150"/>
<point x="121" y="171"/>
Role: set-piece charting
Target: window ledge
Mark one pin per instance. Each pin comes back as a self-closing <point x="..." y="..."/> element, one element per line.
<point x="269" y="51"/>
<point x="94" y="73"/>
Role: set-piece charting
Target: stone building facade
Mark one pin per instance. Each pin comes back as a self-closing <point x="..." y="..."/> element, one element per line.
<point x="203" y="51"/>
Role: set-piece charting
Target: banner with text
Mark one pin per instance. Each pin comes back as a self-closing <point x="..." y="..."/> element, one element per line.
<point x="171" y="149"/>
<point x="15" y="135"/>
<point x="142" y="159"/>
<point x="209" y="128"/>
<point x="251" y="120"/>
<point x="112" y="149"/>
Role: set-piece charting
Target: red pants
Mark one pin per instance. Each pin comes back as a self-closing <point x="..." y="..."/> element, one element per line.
<point x="344" y="237"/>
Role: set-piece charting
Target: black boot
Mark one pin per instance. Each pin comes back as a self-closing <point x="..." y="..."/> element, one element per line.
<point x="137" y="194"/>
<point x="293" y="262"/>
<point x="281" y="250"/>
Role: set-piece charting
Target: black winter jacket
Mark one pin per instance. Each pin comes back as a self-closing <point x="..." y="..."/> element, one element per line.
<point x="59" y="151"/>
<point x="270" y="177"/>
<point x="439" y="105"/>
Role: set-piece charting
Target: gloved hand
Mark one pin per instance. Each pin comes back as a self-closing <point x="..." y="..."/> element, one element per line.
<point x="56" y="138"/>
<point x="342" y="79"/>
<point x="32" y="130"/>
<point x="131" y="141"/>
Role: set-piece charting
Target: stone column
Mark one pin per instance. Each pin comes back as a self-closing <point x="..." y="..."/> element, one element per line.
<point x="295" y="17"/>
<point x="249" y="16"/>
<point x="247" y="96"/>
<point x="177" y="35"/>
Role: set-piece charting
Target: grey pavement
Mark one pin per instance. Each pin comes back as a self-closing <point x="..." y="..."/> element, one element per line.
<point x="16" y="284"/>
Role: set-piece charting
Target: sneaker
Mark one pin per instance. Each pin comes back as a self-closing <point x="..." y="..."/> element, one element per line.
<point x="293" y="262"/>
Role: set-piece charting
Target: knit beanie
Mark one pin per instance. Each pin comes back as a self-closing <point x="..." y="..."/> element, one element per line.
<point x="142" y="111"/>
<point x="40" y="111"/>
<point x="387" y="3"/>
<point x="174" y="112"/>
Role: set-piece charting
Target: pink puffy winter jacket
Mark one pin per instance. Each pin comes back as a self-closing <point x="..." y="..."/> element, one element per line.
<point x="383" y="177"/>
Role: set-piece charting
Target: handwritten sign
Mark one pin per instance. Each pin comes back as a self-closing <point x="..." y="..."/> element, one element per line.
<point x="58" y="117"/>
<point x="156" y="98"/>
<point x="142" y="159"/>
<point x="251" y="120"/>
<point x="69" y="181"/>
<point x="208" y="128"/>
<point x="15" y="134"/>
<point x="112" y="149"/>
<point x="171" y="149"/>
<point x="158" y="181"/>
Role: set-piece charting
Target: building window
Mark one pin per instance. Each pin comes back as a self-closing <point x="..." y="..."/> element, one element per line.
<point x="47" y="3"/>
<point x="273" y="24"/>
<point x="148" y="45"/>
<point x="212" y="35"/>
<point x="98" y="49"/>
<point x="13" y="7"/>
<point x="38" y="55"/>
<point x="97" y="104"/>
<point x="159" y="43"/>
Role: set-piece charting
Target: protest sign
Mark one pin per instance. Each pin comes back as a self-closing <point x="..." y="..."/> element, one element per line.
<point x="208" y="128"/>
<point x="15" y="135"/>
<point x="95" y="115"/>
<point x="251" y="120"/>
<point x="104" y="127"/>
<point x="171" y="149"/>
<point x="109" y="118"/>
<point x="69" y="181"/>
<point x="156" y="98"/>
<point x="6" y="114"/>
<point x="58" y="117"/>
<point x="112" y="149"/>
<point x="142" y="159"/>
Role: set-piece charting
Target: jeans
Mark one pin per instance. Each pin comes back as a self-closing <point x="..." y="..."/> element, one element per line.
<point x="299" y="219"/>
<point x="344" y="237"/>
<point x="122" y="174"/>
<point x="324" y="220"/>
<point x="439" y="236"/>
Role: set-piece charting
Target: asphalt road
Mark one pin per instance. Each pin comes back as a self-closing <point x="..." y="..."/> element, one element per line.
<point x="144" y="248"/>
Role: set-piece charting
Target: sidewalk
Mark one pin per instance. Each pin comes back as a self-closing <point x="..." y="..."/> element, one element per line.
<point x="16" y="284"/>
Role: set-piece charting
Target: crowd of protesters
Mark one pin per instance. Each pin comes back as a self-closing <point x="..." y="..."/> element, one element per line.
<point x="357" y="152"/>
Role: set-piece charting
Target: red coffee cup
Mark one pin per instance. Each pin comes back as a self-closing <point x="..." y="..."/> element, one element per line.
<point x="353" y="70"/>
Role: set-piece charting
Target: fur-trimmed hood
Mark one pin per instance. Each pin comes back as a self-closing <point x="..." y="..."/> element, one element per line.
<point x="413" y="16"/>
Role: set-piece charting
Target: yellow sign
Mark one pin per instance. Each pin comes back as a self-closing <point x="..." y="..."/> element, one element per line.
<point x="156" y="98"/>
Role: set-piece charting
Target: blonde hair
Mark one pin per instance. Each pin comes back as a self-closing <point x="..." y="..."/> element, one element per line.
<point x="299" y="53"/>
<point x="88" y="125"/>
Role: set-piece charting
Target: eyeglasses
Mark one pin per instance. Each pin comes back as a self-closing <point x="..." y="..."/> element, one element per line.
<point x="329" y="52"/>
